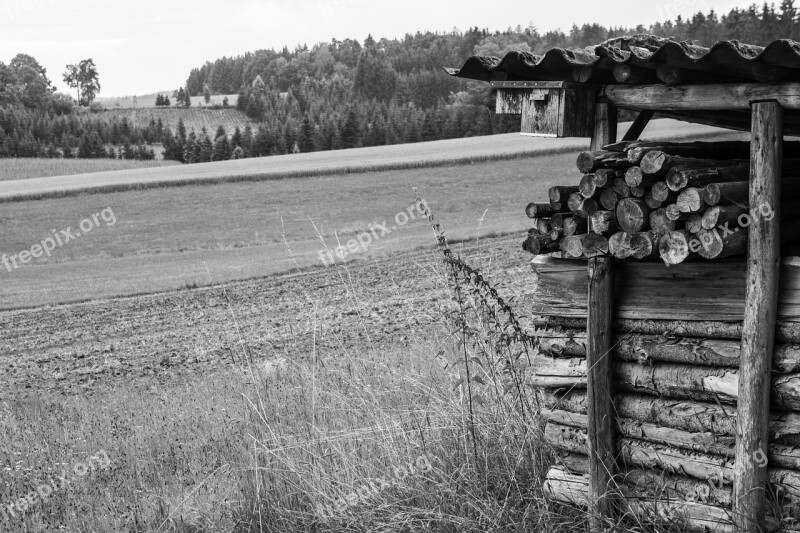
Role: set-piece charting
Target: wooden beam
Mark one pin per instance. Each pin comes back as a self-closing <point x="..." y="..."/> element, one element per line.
<point x="602" y="464"/>
<point x="639" y="124"/>
<point x="605" y="125"/>
<point x="716" y="97"/>
<point x="760" y="317"/>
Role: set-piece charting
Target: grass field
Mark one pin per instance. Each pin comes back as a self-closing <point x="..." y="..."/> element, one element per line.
<point x="359" y="160"/>
<point x="18" y="169"/>
<point x="194" y="118"/>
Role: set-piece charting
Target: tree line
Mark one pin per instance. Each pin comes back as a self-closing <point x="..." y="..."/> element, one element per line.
<point x="340" y="94"/>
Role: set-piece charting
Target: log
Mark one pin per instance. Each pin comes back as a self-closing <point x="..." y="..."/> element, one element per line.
<point x="583" y="207"/>
<point x="694" y="223"/>
<point x="572" y="245"/>
<point x="621" y="188"/>
<point x="696" y="417"/>
<point x="671" y="348"/>
<point x="645" y="245"/>
<point x="637" y="192"/>
<point x="561" y="343"/>
<point x="635" y="453"/>
<point x="557" y="221"/>
<point x="760" y="314"/>
<point x="717" y="215"/>
<point x="571" y="489"/>
<point x="650" y="200"/>
<point x="691" y="382"/>
<point x="603" y="221"/>
<point x="632" y="215"/>
<point x="534" y="210"/>
<point x="600" y="387"/>
<point x="588" y="186"/>
<point x="620" y="245"/>
<point x="786" y="332"/>
<point x="660" y="223"/>
<point x="737" y="193"/>
<point x="594" y="245"/>
<point x="543" y="225"/>
<point x="560" y="194"/>
<point x="590" y="161"/>
<point x="609" y="199"/>
<point x="674" y="213"/>
<point x="625" y="73"/>
<point x="711" y="150"/>
<point x="573" y="226"/>
<point x="540" y="244"/>
<point x="690" y="200"/>
<point x="634" y="177"/>
<point x="681" y="177"/>
<point x="710" y="244"/>
<point x="604" y="176"/>
<point x="658" y="163"/>
<point x="673" y="247"/>
<point x="662" y="193"/>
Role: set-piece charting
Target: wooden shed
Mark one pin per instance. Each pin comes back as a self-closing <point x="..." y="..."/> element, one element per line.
<point x="669" y="295"/>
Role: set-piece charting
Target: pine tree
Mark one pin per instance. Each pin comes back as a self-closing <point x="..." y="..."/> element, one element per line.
<point x="306" y="141"/>
<point x="350" y="133"/>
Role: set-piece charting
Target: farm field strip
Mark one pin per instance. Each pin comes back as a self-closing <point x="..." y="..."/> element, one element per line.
<point x="403" y="156"/>
<point x="26" y="168"/>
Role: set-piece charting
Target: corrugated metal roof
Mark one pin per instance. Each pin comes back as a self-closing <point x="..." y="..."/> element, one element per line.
<point x="644" y="59"/>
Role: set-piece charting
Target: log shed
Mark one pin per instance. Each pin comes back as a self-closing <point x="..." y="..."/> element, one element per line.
<point x="667" y="280"/>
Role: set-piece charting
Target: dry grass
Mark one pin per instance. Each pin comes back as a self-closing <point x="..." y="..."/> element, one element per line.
<point x="18" y="169"/>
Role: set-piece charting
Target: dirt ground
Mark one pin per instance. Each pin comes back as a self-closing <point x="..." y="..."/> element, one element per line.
<point x="327" y="312"/>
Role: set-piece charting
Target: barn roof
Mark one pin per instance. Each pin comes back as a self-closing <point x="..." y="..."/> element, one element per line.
<point x="651" y="59"/>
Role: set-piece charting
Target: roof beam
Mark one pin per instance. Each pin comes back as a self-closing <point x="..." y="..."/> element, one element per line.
<point x="715" y="97"/>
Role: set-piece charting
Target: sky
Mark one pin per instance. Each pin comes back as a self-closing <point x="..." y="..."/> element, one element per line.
<point x="147" y="46"/>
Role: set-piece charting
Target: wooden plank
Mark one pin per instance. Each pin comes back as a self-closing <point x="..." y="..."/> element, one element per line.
<point x="602" y="464"/>
<point x="696" y="291"/>
<point x="605" y="125"/>
<point x="760" y="317"/>
<point x="712" y="97"/>
<point x="639" y="124"/>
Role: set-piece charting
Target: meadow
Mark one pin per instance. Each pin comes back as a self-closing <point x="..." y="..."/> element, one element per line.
<point x="148" y="101"/>
<point x="248" y="388"/>
<point x="19" y="169"/>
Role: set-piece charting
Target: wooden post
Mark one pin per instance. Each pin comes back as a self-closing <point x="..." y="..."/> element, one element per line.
<point x="602" y="463"/>
<point x="605" y="125"/>
<point x="758" y="332"/>
<point x="602" y="456"/>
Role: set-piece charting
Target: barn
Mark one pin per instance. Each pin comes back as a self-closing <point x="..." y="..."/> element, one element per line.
<point x="667" y="280"/>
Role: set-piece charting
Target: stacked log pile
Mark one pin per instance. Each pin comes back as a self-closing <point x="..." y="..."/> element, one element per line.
<point x="675" y="404"/>
<point x="645" y="200"/>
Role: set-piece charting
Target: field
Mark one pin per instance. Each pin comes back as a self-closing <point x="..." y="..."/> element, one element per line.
<point x="249" y="388"/>
<point x="194" y="118"/>
<point x="148" y="101"/>
<point x="17" y="169"/>
<point x="359" y="160"/>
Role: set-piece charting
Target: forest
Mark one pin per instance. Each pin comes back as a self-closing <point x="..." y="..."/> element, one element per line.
<point x="340" y="94"/>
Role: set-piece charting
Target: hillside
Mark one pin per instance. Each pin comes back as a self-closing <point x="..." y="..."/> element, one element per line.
<point x="194" y="118"/>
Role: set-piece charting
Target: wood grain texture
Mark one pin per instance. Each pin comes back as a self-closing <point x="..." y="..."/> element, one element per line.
<point x="712" y="97"/>
<point x="602" y="463"/>
<point x="605" y="125"/>
<point x="760" y="316"/>
<point x="697" y="291"/>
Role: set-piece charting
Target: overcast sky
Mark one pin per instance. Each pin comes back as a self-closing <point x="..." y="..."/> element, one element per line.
<point x="146" y="46"/>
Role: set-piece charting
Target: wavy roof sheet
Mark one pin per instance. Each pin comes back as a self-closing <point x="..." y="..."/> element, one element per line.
<point x="645" y="59"/>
